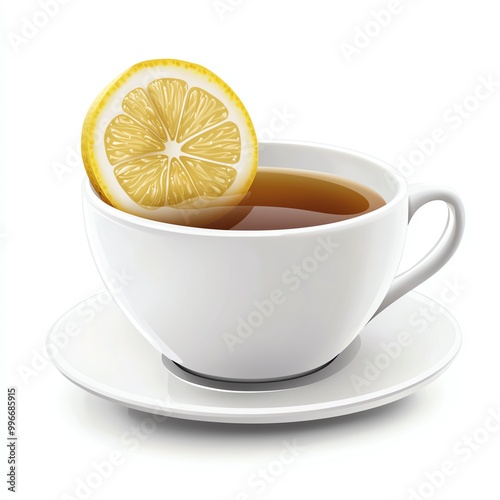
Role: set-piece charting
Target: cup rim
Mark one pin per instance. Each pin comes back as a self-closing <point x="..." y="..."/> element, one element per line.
<point x="91" y="196"/>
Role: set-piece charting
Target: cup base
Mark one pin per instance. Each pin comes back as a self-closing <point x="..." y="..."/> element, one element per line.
<point x="230" y="384"/>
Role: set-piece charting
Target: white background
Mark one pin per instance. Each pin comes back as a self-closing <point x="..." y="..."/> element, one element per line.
<point x="285" y="56"/>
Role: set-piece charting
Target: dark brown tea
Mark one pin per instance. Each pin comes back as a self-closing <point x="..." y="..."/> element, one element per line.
<point x="285" y="199"/>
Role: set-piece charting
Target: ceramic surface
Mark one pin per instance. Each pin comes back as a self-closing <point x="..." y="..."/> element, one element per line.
<point x="396" y="353"/>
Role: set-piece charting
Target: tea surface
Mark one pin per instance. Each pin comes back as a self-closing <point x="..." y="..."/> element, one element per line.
<point x="286" y="199"/>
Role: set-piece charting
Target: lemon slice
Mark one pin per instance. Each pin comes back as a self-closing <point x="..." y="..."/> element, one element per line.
<point x="169" y="140"/>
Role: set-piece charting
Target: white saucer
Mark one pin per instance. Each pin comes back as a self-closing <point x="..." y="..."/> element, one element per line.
<point x="399" y="351"/>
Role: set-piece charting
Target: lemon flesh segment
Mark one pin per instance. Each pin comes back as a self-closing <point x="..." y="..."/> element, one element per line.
<point x="166" y="137"/>
<point x="125" y="139"/>
<point x="221" y="144"/>
<point x="201" y="111"/>
<point x="143" y="179"/>
<point x="138" y="106"/>
<point x="167" y="96"/>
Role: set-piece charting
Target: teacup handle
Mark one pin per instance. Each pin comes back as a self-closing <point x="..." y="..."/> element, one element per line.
<point x="442" y="251"/>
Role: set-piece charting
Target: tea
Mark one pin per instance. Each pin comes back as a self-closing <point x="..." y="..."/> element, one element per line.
<point x="284" y="199"/>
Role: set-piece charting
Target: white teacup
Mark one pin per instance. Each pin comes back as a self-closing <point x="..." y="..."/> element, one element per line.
<point x="268" y="304"/>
